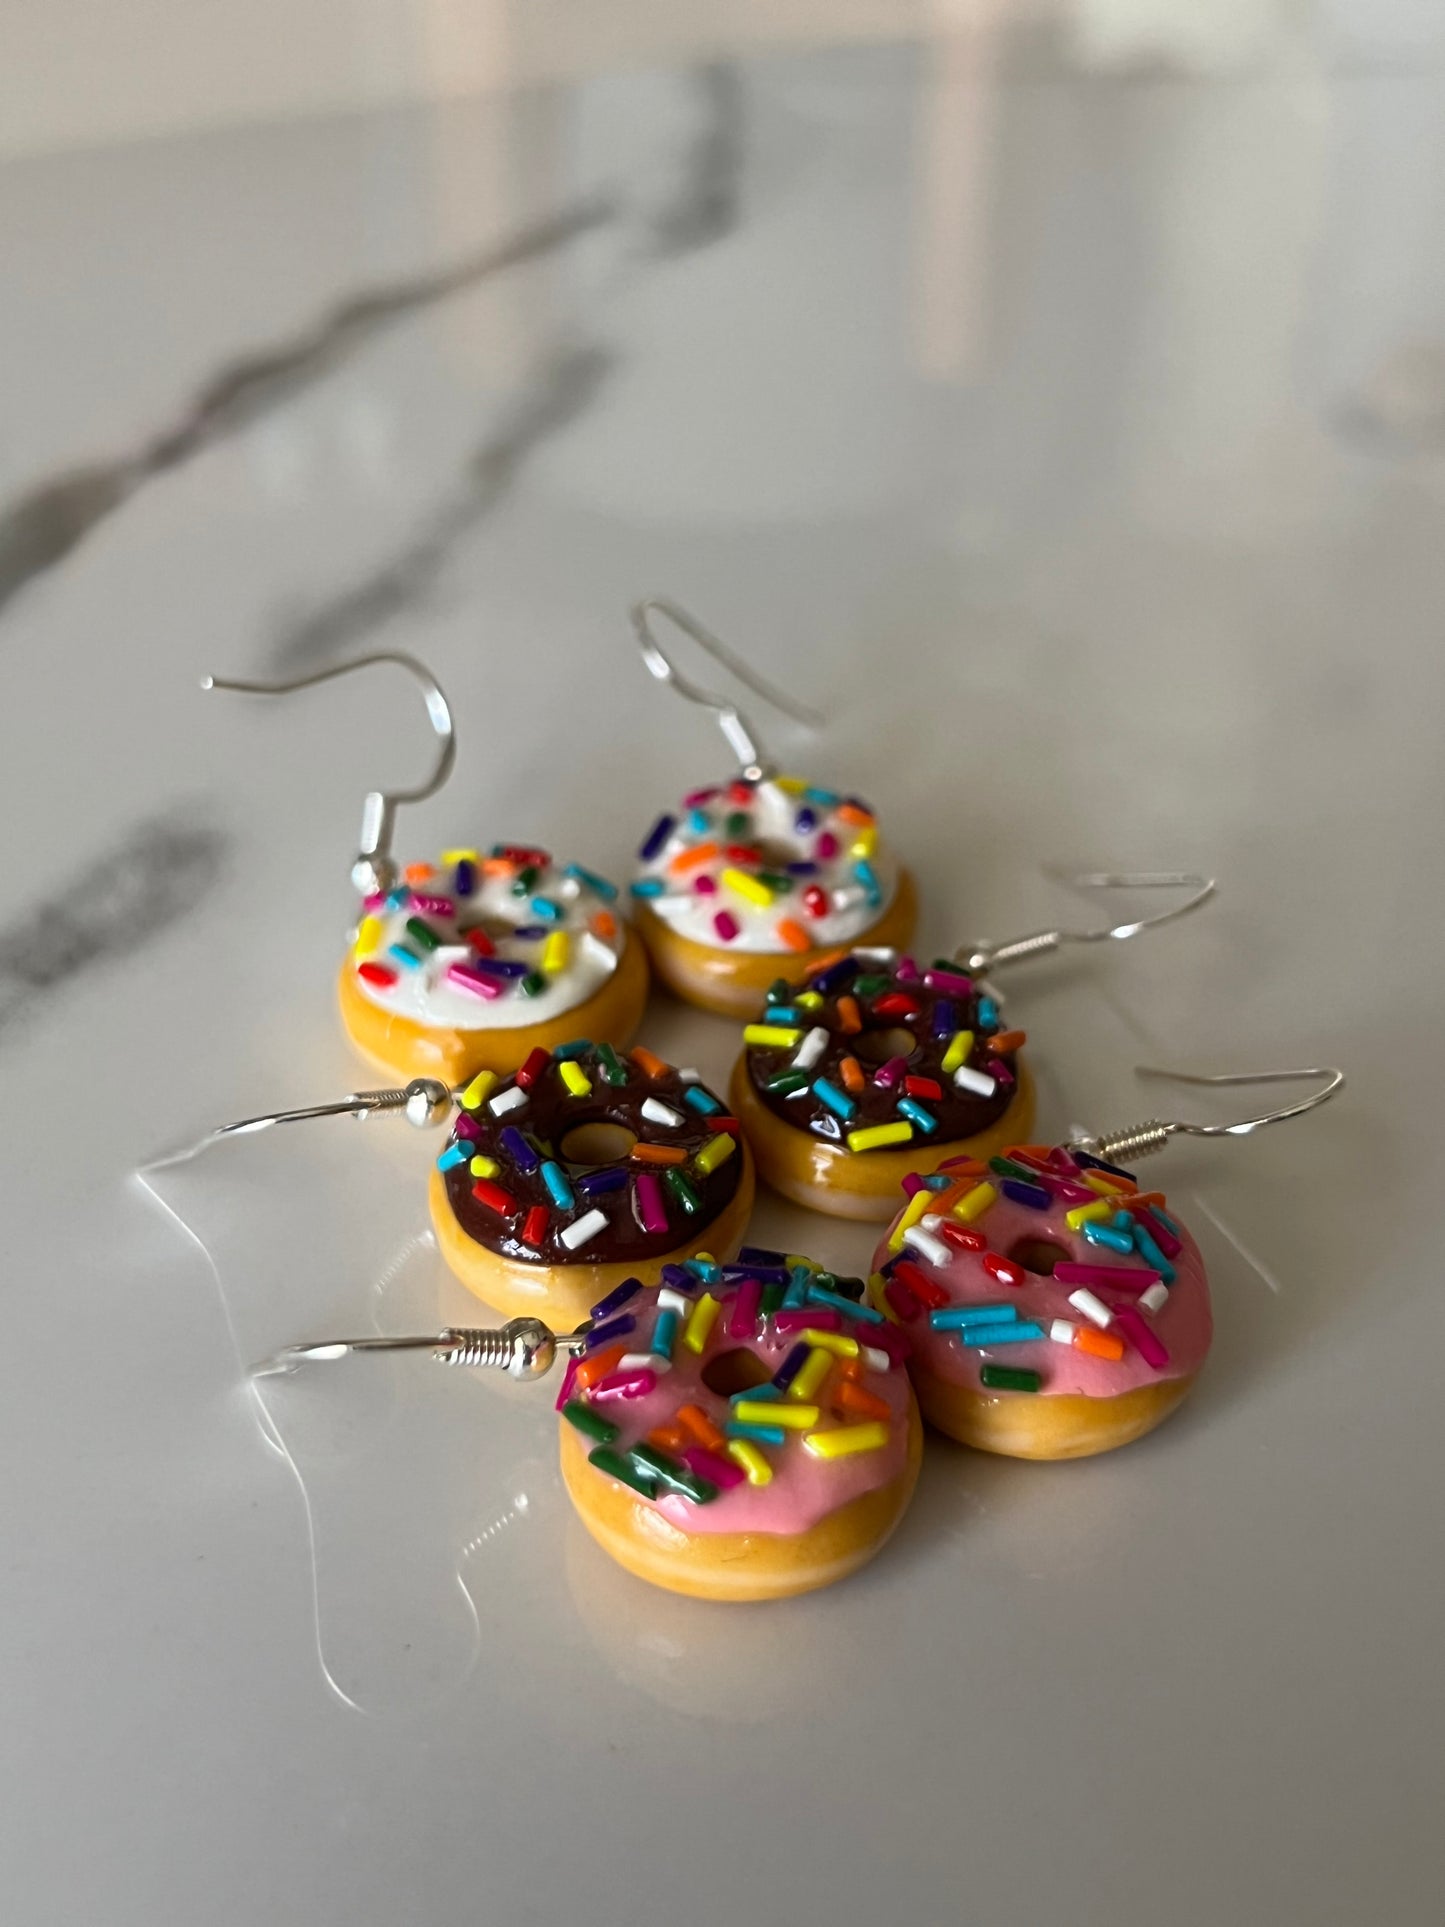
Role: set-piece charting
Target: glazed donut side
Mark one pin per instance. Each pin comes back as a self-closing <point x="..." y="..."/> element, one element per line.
<point x="581" y="1169"/>
<point x="1054" y="1309"/>
<point x="788" y="1482"/>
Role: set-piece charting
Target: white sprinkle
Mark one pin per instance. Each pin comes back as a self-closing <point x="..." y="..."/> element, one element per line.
<point x="926" y="1245"/>
<point x="811" y="1049"/>
<point x="656" y="1112"/>
<point x="876" y="953"/>
<point x="508" y="1100"/>
<point x="670" y="1300"/>
<point x="978" y="1082"/>
<point x="1062" y="1332"/>
<point x="845" y="898"/>
<point x="1156" y="1297"/>
<point x="875" y="1360"/>
<point x="690" y="1076"/>
<point x="599" y="951"/>
<point x="636" y="1361"/>
<point x="569" y="889"/>
<point x="931" y="1220"/>
<point x="582" y="1230"/>
<point x="1082" y="1300"/>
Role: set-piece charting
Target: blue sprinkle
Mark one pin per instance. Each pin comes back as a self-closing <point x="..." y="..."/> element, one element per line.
<point x="959" y="1317"/>
<point x="661" y="830"/>
<point x="764" y="1434"/>
<point x="499" y="967"/>
<point x="790" y="1367"/>
<point x="911" y="1108"/>
<point x="802" y="869"/>
<point x="797" y="1293"/>
<point x="578" y="1047"/>
<point x="704" y="1272"/>
<point x="1103" y="1234"/>
<point x="454" y="1155"/>
<point x="945" y="1017"/>
<point x="664" y="1332"/>
<point x="698" y="822"/>
<point x="545" y="907"/>
<point x="590" y="880"/>
<point x="868" y="877"/>
<point x="825" y="799"/>
<point x="818" y="1295"/>
<point x="1033" y="1195"/>
<point x="1020" y="1334"/>
<point x="596" y="1184"/>
<point x="530" y="932"/>
<point x="555" y="1179"/>
<point x="701" y="1100"/>
<point x="398" y="898"/>
<point x="783" y="1014"/>
<point x="1152" y="1255"/>
<point x="937" y="1181"/>
<point x="764" y="1391"/>
<point x="838" y="1102"/>
<point x="649" y="887"/>
<point x="987" y="1014"/>
<point x="615" y="1300"/>
<point x="805" y="820"/>
<point x="601" y="1335"/>
<point x="408" y="959"/>
<point x="519" y="1150"/>
<point x="464" y="877"/>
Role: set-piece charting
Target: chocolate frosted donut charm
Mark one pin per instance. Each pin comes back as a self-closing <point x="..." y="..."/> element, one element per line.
<point x="584" y="1168"/>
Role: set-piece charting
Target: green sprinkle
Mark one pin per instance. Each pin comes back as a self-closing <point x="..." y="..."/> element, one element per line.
<point x="422" y="933"/>
<point x="771" y="1299"/>
<point x="522" y="883"/>
<point x="779" y="884"/>
<point x="779" y="991"/>
<point x="786" y="1082"/>
<point x="533" y="984"/>
<point x="738" y="823"/>
<point x="588" y="1421"/>
<point x="1007" y="1378"/>
<point x="870" y="986"/>
<point x="1006" y="1168"/>
<point x="672" y="1474"/>
<point x="623" y="1470"/>
<point x="613" y="1072"/>
<point x="678" y="1185"/>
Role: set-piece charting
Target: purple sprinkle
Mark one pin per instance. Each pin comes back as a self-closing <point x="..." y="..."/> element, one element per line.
<point x="906" y="970"/>
<point x="596" y="1184"/>
<point x="519" y="1150"/>
<point x="678" y="1278"/>
<point x="531" y="932"/>
<point x="887" y="1075"/>
<point x="615" y="1300"/>
<point x="497" y="967"/>
<point x="832" y="981"/>
<point x="999" y="1071"/>
<point x="601" y="1335"/>
<point x="464" y="878"/>
<point x="802" y="869"/>
<point x="1087" y="1159"/>
<point x="805" y="820"/>
<point x="765" y="1274"/>
<point x="1033" y="1195"/>
<point x="791" y="1366"/>
<point x="661" y="830"/>
<point x="760" y="1255"/>
<point x="945" y="1017"/>
<point x="467" y="1125"/>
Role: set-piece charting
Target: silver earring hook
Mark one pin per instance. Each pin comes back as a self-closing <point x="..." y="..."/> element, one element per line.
<point x="374" y="871"/>
<point x="983" y="956"/>
<point x="423" y="1102"/>
<point x="523" y="1348"/>
<point x="735" y="727"/>
<point x="1141" y="1140"/>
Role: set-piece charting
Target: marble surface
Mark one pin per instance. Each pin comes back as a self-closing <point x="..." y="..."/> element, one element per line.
<point x="1074" y="437"/>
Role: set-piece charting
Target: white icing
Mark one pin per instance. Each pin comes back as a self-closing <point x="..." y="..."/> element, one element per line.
<point x="424" y="994"/>
<point x="773" y="812"/>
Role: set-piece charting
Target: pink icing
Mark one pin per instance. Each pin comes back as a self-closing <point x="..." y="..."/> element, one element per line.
<point x="1183" y="1324"/>
<point x="804" y="1489"/>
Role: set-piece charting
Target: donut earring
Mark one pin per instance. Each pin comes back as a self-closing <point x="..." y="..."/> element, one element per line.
<point x="745" y="1432"/>
<point x="1054" y="1309"/>
<point x="871" y="1068"/>
<point x="582" y="1169"/>
<point x="762" y="872"/>
<point x="469" y="963"/>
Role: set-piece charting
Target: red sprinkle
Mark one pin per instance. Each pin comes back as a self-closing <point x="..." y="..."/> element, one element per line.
<point x="379" y="974"/>
<point x="922" y="1087"/>
<point x="740" y="792"/>
<point x="494" y="1198"/>
<point x="533" y="1065"/>
<point x="815" y="901"/>
<point x="920" y="1284"/>
<point x="894" y="1003"/>
<point x="743" y="853"/>
<point x="902" y="1299"/>
<point x="962" y="1238"/>
<point x="1000" y="1268"/>
<point x="534" y="1226"/>
<point x="480" y="942"/>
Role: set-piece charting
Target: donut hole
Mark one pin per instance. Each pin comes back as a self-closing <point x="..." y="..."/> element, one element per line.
<point x="881" y="1046"/>
<point x="735" y="1371"/>
<point x="599" y="1142"/>
<point x="1038" y="1255"/>
<point x="776" y="855"/>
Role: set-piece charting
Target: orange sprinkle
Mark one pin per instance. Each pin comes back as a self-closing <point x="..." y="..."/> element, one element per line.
<point x="849" y="1017"/>
<point x="1031" y="1150"/>
<point x="944" y="1201"/>
<point x="854" y="1398"/>
<point x="1106" y="1184"/>
<point x="793" y="934"/>
<point x="693" y="859"/>
<point x="604" y="925"/>
<point x="1009" y="1040"/>
<point x="1147" y="1197"/>
<point x="1101" y="1344"/>
<point x="967" y="1167"/>
<point x="669" y="1438"/>
<point x="851" y="1072"/>
<point x="597" y="1365"/>
<point x="418" y="873"/>
<point x="850" y="813"/>
<point x="498" y="866"/>
<point x="851" y="1367"/>
<point x="695" y="1420"/>
<point x="649" y="1065"/>
<point x="658" y="1154"/>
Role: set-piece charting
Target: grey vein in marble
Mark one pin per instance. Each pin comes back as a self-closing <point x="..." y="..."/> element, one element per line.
<point x="120" y="903"/>
<point x="41" y="527"/>
<point x="560" y="390"/>
<point x="708" y="201"/>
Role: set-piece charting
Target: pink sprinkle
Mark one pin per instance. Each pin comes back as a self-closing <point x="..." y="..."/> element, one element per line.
<point x="705" y="885"/>
<point x="1144" y="1341"/>
<point x="799" y="1318"/>
<point x="1120" y="1277"/>
<point x="1060" y="1160"/>
<point x="695" y="799"/>
<point x="569" y="1378"/>
<point x="887" y="1338"/>
<point x="826" y="848"/>
<point x="707" y="1465"/>
<point x="626" y="1384"/>
<point x="999" y="1071"/>
<point x="888" y="1074"/>
<point x="1157" y="1229"/>
<point x="435" y="906"/>
<point x="949" y="980"/>
<point x="467" y="1125"/>
<point x="742" y="1323"/>
<point x="913" y="1182"/>
<point x="465" y="978"/>
<point x="376" y="901"/>
<point x="648" y="1198"/>
<point x="726" y="925"/>
<point x="906" y="971"/>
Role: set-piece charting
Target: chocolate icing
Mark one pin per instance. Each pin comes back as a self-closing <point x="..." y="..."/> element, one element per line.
<point x="960" y="1113"/>
<point x="551" y="1113"/>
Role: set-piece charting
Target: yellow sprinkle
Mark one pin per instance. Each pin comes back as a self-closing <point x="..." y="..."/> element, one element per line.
<point x="839" y="1343"/>
<point x="575" y="1078"/>
<point x="809" y="1000"/>
<point x="809" y="1381"/>
<point x="461" y="856"/>
<point x="478" y="1091"/>
<point x="1083" y="1214"/>
<point x="554" y="953"/>
<point x="973" y="1203"/>
<point x="481" y="1167"/>
<point x="864" y="844"/>
<point x="704" y="1258"/>
<point x="369" y="934"/>
<point x="773" y="1411"/>
<point x="716" y="1151"/>
<point x="744" y="1453"/>
<point x="873" y="1135"/>
<point x="1106" y="1187"/>
<point x="700" y="1323"/>
<point x="771" y="1036"/>
<point x="753" y="889"/>
<point x="960" y="1044"/>
<point x="790" y="785"/>
<point x="921" y="1201"/>
<point x="847" y="1439"/>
